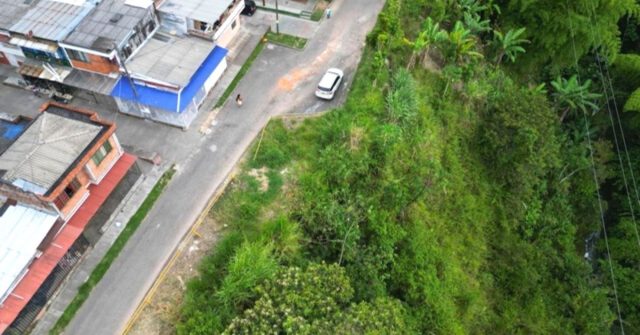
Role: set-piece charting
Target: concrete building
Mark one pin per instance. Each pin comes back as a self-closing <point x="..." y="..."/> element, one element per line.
<point x="213" y="20"/>
<point x="167" y="84"/>
<point x="10" y="12"/>
<point x="129" y="54"/>
<point x="38" y="32"/>
<point x="54" y="177"/>
<point x="109" y="35"/>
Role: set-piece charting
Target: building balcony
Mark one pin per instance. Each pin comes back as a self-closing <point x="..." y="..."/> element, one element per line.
<point x="211" y="30"/>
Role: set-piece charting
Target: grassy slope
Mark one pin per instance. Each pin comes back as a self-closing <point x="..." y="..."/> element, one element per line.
<point x="446" y="263"/>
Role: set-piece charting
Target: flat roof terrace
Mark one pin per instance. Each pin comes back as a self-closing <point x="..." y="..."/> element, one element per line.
<point x="201" y="10"/>
<point x="170" y="59"/>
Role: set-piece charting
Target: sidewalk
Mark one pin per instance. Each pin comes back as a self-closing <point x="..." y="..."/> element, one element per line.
<point x="291" y="6"/>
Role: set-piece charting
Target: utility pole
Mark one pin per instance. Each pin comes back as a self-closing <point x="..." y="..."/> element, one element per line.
<point x="277" y="20"/>
<point x="127" y="74"/>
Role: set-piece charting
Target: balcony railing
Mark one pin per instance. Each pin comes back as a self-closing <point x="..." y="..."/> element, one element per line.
<point x="210" y="33"/>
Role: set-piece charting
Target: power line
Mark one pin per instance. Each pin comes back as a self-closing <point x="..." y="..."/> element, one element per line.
<point x="618" y="151"/>
<point x="595" y="176"/>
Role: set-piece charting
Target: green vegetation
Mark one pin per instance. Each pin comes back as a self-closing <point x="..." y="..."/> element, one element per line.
<point x="243" y="70"/>
<point x="454" y="191"/>
<point x="113" y="252"/>
<point x="317" y="15"/>
<point x="286" y="40"/>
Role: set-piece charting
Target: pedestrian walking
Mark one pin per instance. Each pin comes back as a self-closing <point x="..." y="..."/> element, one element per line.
<point x="328" y="13"/>
<point x="239" y="100"/>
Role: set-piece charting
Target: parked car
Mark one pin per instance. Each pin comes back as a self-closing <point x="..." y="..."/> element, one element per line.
<point x="249" y="8"/>
<point x="329" y="84"/>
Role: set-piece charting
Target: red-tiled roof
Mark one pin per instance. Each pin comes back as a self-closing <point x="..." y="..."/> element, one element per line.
<point x="42" y="267"/>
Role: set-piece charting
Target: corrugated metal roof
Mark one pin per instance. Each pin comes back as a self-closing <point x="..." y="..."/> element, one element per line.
<point x="12" y="10"/>
<point x="112" y="20"/>
<point x="167" y="61"/>
<point x="47" y="149"/>
<point x="22" y="229"/>
<point x="51" y="20"/>
<point x="201" y="10"/>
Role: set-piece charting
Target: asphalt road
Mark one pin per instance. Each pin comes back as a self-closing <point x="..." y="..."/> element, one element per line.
<point x="281" y="81"/>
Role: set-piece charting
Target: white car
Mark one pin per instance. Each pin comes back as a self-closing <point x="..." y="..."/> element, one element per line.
<point x="329" y="84"/>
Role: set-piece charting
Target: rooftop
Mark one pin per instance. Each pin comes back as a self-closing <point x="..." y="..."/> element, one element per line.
<point x="10" y="130"/>
<point x="51" y="20"/>
<point x="163" y="58"/>
<point x="22" y="229"/>
<point x="47" y="149"/>
<point x="175" y="102"/>
<point x="12" y="10"/>
<point x="201" y="10"/>
<point x="109" y="23"/>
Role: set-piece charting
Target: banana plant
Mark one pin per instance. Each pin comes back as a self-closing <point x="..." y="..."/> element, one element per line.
<point x="508" y="45"/>
<point x="430" y="35"/>
<point x="462" y="44"/>
<point x="571" y="96"/>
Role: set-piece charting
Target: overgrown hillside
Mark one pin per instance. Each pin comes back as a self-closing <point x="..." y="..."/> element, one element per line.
<point x="452" y="194"/>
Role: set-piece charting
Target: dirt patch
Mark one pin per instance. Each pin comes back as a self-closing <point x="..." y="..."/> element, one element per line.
<point x="356" y="137"/>
<point x="261" y="177"/>
<point x="291" y="80"/>
<point x="160" y="316"/>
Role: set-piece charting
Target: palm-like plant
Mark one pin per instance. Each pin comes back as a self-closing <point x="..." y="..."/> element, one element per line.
<point x="475" y="23"/>
<point x="430" y="35"/>
<point x="570" y="96"/>
<point x="462" y="44"/>
<point x="475" y="7"/>
<point x="509" y="44"/>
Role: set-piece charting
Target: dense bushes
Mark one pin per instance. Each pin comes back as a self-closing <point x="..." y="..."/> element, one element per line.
<point x="443" y="202"/>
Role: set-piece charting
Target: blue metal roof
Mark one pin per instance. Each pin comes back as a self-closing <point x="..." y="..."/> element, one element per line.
<point x="169" y="101"/>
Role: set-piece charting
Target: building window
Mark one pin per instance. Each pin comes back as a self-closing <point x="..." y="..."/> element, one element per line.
<point x="67" y="193"/>
<point x="233" y="24"/>
<point x="104" y="150"/>
<point x="77" y="55"/>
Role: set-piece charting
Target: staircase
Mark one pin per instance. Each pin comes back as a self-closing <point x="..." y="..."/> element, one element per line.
<point x="305" y="14"/>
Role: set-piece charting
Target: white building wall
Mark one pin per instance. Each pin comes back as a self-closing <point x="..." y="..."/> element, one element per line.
<point x="229" y="28"/>
<point x="14" y="54"/>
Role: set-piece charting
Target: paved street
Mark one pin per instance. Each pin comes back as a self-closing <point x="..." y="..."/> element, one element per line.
<point x="281" y="80"/>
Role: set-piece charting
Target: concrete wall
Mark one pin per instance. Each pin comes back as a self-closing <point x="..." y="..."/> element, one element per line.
<point x="91" y="174"/>
<point x="13" y="55"/>
<point x="99" y="171"/>
<point x="173" y="24"/>
<point x="78" y="198"/>
<point x="96" y="64"/>
<point x="229" y="27"/>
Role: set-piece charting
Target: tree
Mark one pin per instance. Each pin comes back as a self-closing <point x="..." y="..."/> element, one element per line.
<point x="462" y="45"/>
<point x="509" y="44"/>
<point x="558" y="28"/>
<point x="475" y="23"/>
<point x="571" y="96"/>
<point x="476" y="7"/>
<point x="317" y="300"/>
<point x="428" y="36"/>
